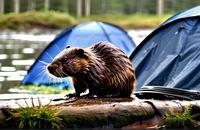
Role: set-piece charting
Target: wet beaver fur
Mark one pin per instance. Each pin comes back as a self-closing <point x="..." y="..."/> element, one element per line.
<point x="103" y="68"/>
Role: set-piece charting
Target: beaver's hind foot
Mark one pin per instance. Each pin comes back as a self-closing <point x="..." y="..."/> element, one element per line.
<point x="88" y="96"/>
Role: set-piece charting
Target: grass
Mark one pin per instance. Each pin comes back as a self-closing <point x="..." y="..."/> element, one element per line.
<point x="43" y="89"/>
<point x="34" y="117"/>
<point x="185" y="120"/>
<point x="131" y="21"/>
<point x="25" y="20"/>
<point x="38" y="117"/>
<point x="60" y="20"/>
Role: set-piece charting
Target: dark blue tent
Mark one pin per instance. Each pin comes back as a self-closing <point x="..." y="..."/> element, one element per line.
<point x="168" y="60"/>
<point x="81" y="35"/>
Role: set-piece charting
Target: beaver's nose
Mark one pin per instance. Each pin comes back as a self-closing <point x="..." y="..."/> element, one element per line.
<point x="52" y="67"/>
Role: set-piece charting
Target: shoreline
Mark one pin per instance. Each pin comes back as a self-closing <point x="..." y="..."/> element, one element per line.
<point x="52" y="20"/>
<point x="40" y="35"/>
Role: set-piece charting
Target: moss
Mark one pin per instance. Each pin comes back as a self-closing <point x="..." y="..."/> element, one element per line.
<point x="112" y="120"/>
<point x="184" y="120"/>
<point x="71" y="121"/>
<point x="119" y="121"/>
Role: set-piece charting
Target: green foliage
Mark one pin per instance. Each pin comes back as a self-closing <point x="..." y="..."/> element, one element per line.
<point x="38" y="117"/>
<point x="34" y="89"/>
<point x="130" y="21"/>
<point x="184" y="120"/>
<point x="58" y="20"/>
<point x="49" y="19"/>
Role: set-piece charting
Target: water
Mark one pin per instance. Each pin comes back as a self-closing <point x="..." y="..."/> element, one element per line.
<point x="16" y="57"/>
<point x="18" y="51"/>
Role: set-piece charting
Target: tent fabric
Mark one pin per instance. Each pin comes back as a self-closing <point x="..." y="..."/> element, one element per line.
<point x="81" y="35"/>
<point x="160" y="92"/>
<point x="170" y="56"/>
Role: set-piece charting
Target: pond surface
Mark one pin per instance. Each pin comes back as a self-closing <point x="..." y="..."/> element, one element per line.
<point x="16" y="57"/>
<point x="19" y="51"/>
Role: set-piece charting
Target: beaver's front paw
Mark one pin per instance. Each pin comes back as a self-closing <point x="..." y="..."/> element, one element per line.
<point x="71" y="95"/>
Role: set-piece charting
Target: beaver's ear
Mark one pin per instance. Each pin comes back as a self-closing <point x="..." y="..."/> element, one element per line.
<point x="80" y="52"/>
<point x="67" y="47"/>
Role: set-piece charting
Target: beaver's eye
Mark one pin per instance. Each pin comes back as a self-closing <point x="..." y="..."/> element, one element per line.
<point x="64" y="59"/>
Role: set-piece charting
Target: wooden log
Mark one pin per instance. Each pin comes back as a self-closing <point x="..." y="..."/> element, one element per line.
<point x="117" y="113"/>
<point x="120" y="113"/>
<point x="113" y="112"/>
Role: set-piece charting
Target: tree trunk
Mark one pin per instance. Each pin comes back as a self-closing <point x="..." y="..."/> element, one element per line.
<point x="46" y="5"/>
<point x="87" y="8"/>
<point x="1" y="6"/>
<point x="17" y="6"/>
<point x="78" y="8"/>
<point x="160" y="7"/>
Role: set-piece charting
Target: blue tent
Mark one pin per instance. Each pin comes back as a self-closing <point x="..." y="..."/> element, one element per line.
<point x="168" y="60"/>
<point x="81" y="35"/>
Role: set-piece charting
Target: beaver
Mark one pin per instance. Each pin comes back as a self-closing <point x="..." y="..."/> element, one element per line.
<point x="102" y="68"/>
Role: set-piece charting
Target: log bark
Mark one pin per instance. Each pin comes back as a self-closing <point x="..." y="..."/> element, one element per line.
<point x="89" y="113"/>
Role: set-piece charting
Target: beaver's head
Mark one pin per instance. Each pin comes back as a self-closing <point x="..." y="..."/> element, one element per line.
<point x="70" y="62"/>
